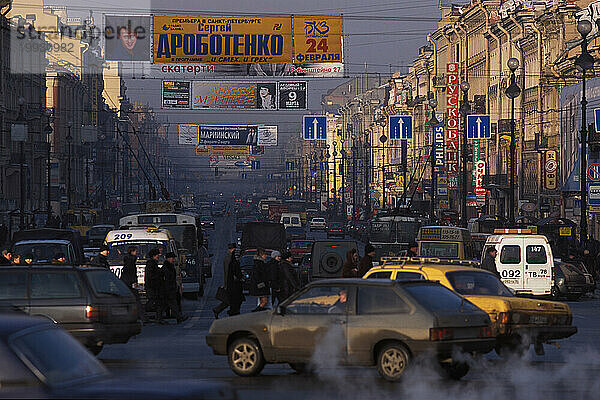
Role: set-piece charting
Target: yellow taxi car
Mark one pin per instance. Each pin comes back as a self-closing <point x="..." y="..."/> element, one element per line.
<point x="517" y="322"/>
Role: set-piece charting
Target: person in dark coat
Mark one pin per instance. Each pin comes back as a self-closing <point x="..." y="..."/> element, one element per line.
<point x="235" y="290"/>
<point x="170" y="289"/>
<point x="413" y="249"/>
<point x="101" y="259"/>
<point x="226" y="267"/>
<point x="273" y="270"/>
<point x="260" y="280"/>
<point x="366" y="263"/>
<point x="350" y="268"/>
<point x="5" y="258"/>
<point x="154" y="282"/>
<point x="288" y="280"/>
<point x="129" y="272"/>
<point x="489" y="261"/>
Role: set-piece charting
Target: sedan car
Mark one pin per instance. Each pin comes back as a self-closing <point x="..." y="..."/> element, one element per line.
<point x="318" y="223"/>
<point x="41" y="360"/>
<point x="336" y="230"/>
<point x="379" y="323"/>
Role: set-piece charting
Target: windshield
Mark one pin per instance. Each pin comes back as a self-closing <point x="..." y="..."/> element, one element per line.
<point x="99" y="231"/>
<point x="57" y="356"/>
<point x="477" y="283"/>
<point x="43" y="253"/>
<point x="184" y="235"/>
<point x="439" y="249"/>
<point x="117" y="250"/>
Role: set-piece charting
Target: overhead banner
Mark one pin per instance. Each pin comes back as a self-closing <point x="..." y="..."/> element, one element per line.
<point x="225" y="150"/>
<point x="188" y="134"/>
<point x="227" y="135"/>
<point x="317" y="39"/>
<point x="216" y="40"/>
<point x="237" y="161"/>
<point x="267" y="135"/>
<point x="176" y="94"/>
<point x="241" y="95"/>
<point x="292" y="95"/>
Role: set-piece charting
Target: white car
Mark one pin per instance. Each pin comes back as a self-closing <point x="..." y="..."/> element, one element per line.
<point x="318" y="223"/>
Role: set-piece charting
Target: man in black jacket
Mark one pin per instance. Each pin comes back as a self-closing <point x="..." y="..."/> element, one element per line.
<point x="153" y="282"/>
<point x="489" y="261"/>
<point x="5" y="257"/>
<point x="129" y="272"/>
<point x="288" y="280"/>
<point x="101" y="259"/>
<point x="170" y="287"/>
<point x="259" y="286"/>
<point x="226" y="271"/>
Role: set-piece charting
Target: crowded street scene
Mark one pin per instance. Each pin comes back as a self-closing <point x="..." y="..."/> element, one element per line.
<point x="314" y="200"/>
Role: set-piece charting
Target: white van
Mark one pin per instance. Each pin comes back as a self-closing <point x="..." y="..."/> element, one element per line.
<point x="290" y="219"/>
<point x="524" y="261"/>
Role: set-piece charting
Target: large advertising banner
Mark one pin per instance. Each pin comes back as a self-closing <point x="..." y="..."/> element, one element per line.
<point x="452" y="125"/>
<point x="227" y="135"/>
<point x="215" y="40"/>
<point x="230" y="161"/>
<point x="216" y="95"/>
<point x="318" y="39"/>
<point x="292" y="95"/>
<point x="176" y="94"/>
<point x="267" y="135"/>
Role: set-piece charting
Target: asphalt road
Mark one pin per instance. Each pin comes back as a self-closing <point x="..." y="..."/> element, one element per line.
<point x="180" y="351"/>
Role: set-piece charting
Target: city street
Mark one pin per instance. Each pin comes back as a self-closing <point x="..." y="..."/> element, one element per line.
<point x="180" y="351"/>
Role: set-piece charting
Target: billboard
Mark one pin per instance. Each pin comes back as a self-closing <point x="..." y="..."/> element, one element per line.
<point x="292" y="95"/>
<point x="267" y="135"/>
<point x="230" y="150"/>
<point x="318" y="39"/>
<point x="127" y="38"/>
<point x="176" y="94"/>
<point x="227" y="135"/>
<point x="188" y="134"/>
<point x="235" y="161"/>
<point x="218" y="40"/>
<point x="240" y="95"/>
<point x="452" y="125"/>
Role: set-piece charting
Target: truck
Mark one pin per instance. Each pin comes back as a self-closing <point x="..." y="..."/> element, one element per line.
<point x="267" y="235"/>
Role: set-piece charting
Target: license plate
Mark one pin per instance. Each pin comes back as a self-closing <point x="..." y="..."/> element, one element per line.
<point x="538" y="319"/>
<point x="119" y="310"/>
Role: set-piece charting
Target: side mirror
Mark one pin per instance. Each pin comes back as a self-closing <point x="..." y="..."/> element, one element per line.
<point x="281" y="310"/>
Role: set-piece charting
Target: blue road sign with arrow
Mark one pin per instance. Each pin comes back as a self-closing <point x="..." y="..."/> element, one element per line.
<point x="315" y="127"/>
<point x="479" y="127"/>
<point x="597" y="119"/>
<point x="401" y="126"/>
<point x="255" y="164"/>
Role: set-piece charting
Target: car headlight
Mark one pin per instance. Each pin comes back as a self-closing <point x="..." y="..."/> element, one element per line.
<point x="518" y="318"/>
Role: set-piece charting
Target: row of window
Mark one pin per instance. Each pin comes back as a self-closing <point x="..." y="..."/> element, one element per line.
<point x="511" y="254"/>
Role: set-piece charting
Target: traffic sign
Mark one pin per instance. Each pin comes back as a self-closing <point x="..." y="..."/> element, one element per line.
<point x="594" y="194"/>
<point x="479" y="191"/>
<point x="593" y="172"/>
<point x="597" y="118"/>
<point x="255" y="164"/>
<point x="315" y="127"/>
<point x="401" y="126"/>
<point x="479" y="127"/>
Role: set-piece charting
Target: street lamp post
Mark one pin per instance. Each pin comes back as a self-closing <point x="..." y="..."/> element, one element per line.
<point x="335" y="201"/>
<point x="512" y="92"/>
<point x="69" y="140"/>
<point x="383" y="139"/>
<point x="464" y="110"/>
<point x="354" y="197"/>
<point x="48" y="132"/>
<point x="366" y="173"/>
<point x="433" y="122"/>
<point x="21" y="120"/>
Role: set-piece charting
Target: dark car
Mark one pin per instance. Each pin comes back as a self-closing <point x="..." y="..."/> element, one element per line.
<point x="90" y="303"/>
<point x="372" y="322"/>
<point x="295" y="233"/>
<point x="336" y="229"/>
<point x="569" y="281"/>
<point x="207" y="222"/>
<point x="328" y="257"/>
<point x="41" y="360"/>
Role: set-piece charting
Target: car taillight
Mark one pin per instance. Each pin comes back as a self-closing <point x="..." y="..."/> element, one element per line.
<point x="504" y="317"/>
<point x="93" y="312"/>
<point x="485" y="332"/>
<point x="436" y="334"/>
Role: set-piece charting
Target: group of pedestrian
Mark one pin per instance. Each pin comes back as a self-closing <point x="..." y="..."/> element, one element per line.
<point x="356" y="267"/>
<point x="9" y="258"/>
<point x="160" y="282"/>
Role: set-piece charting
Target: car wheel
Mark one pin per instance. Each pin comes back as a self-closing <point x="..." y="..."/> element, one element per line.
<point x="392" y="361"/>
<point x="245" y="357"/>
<point x="454" y="370"/>
<point x="95" y="349"/>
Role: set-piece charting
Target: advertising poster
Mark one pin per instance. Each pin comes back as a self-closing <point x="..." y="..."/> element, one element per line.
<point x="234" y="95"/>
<point x="176" y="94"/>
<point x="267" y="135"/>
<point x="317" y="39"/>
<point x="188" y="134"/>
<point x="227" y="135"/>
<point x="215" y="40"/>
<point x="292" y="95"/>
<point x="127" y="38"/>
